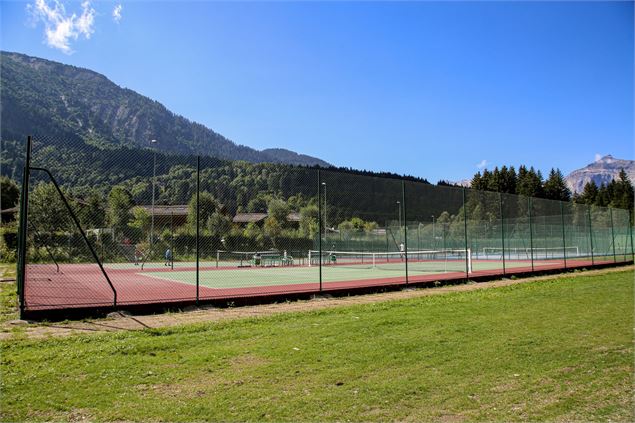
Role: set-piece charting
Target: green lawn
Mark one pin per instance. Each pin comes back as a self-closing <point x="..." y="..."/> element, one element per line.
<point x="546" y="350"/>
<point x="8" y="296"/>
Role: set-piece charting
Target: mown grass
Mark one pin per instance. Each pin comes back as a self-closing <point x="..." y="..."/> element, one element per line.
<point x="8" y="296"/>
<point x="546" y="350"/>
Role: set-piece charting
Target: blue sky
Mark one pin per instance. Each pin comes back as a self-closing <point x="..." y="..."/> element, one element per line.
<point x="430" y="89"/>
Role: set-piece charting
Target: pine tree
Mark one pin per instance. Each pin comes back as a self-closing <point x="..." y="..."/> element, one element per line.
<point x="589" y="193"/>
<point x="529" y="182"/>
<point x="622" y="195"/>
<point x="555" y="187"/>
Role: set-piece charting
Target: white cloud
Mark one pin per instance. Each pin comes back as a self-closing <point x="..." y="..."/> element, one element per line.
<point x="598" y="156"/>
<point x="60" y="29"/>
<point x="116" y="13"/>
<point x="482" y="164"/>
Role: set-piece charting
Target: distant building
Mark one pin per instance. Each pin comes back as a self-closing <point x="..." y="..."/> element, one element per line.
<point x="9" y="214"/>
<point x="259" y="218"/>
<point x="166" y="215"/>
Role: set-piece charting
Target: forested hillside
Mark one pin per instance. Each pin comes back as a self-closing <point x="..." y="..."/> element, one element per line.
<point x="45" y="98"/>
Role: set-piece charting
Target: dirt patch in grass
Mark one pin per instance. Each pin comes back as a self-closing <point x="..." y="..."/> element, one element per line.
<point x="202" y="315"/>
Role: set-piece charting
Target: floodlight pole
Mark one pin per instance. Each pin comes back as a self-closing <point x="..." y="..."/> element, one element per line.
<point x="500" y="201"/>
<point x="198" y="189"/>
<point x="564" y="239"/>
<point x="612" y="234"/>
<point x="405" y="241"/>
<point x="325" y="225"/>
<point x="400" y="228"/>
<point x="467" y="254"/>
<point x="591" y="235"/>
<point x="320" y="228"/>
<point x="154" y="181"/>
<point x="630" y="230"/>
<point x="172" y="239"/>
<point x="434" y="236"/>
<point x="531" y="234"/>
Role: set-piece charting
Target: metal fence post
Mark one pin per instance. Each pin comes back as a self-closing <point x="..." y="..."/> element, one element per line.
<point x="564" y="241"/>
<point x="500" y="201"/>
<point x="405" y="225"/>
<point x="467" y="253"/>
<point x="630" y="230"/>
<point x="591" y="236"/>
<point x="172" y="239"/>
<point x="612" y="234"/>
<point x="531" y="234"/>
<point x="319" y="190"/>
<point x="24" y="210"/>
<point x="198" y="190"/>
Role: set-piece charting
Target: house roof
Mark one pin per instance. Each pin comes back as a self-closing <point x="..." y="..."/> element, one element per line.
<point x="11" y="210"/>
<point x="257" y="217"/>
<point x="293" y="217"/>
<point x="249" y="217"/>
<point x="169" y="210"/>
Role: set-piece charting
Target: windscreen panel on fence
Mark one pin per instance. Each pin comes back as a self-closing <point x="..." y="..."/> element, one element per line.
<point x="602" y="232"/>
<point x="548" y="235"/>
<point x="621" y="229"/>
<point x="258" y="224"/>
<point x="485" y="232"/>
<point x="517" y="240"/>
<point x="436" y="233"/>
<point x="577" y="235"/>
<point x="362" y="231"/>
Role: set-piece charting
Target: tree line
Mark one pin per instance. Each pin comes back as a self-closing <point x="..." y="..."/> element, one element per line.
<point x="530" y="183"/>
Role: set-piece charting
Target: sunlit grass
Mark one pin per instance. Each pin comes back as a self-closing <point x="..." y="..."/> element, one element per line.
<point x="556" y="349"/>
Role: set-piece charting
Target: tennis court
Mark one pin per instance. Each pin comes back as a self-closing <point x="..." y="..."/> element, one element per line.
<point x="83" y="285"/>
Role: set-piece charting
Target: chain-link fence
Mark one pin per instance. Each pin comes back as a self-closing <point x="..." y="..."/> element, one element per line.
<point x="160" y="229"/>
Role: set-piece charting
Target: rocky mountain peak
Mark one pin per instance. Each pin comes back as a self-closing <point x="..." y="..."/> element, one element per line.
<point x="601" y="171"/>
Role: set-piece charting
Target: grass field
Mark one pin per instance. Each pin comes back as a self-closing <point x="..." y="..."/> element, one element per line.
<point x="8" y="296"/>
<point x="545" y="350"/>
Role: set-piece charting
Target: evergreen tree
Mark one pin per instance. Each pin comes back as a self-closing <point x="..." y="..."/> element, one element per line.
<point x="477" y="182"/>
<point x="603" y="198"/>
<point x="508" y="180"/>
<point x="589" y="193"/>
<point x="529" y="183"/>
<point x="622" y="195"/>
<point x="555" y="187"/>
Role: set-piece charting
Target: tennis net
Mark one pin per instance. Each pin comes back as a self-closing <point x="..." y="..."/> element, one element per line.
<point x="254" y="258"/>
<point x="535" y="252"/>
<point x="427" y="261"/>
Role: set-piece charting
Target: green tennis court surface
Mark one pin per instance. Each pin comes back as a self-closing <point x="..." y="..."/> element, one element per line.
<point x="257" y="276"/>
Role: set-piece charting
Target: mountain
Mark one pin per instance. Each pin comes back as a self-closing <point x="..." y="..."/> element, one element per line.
<point x="601" y="172"/>
<point x="46" y="98"/>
